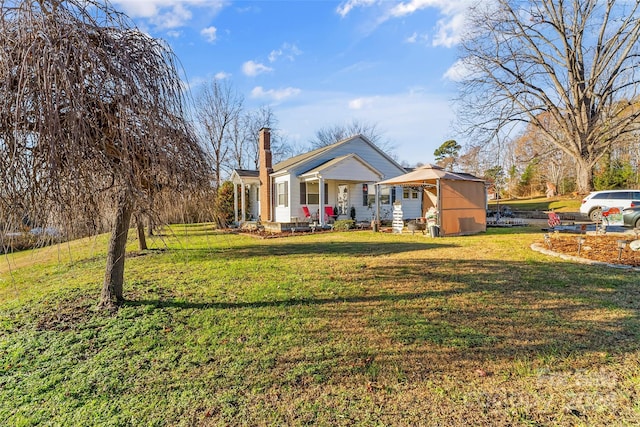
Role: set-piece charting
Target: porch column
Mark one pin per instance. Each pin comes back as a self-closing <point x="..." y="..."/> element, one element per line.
<point x="321" y="201"/>
<point x="242" y="198"/>
<point x="235" y="202"/>
<point x="377" y="206"/>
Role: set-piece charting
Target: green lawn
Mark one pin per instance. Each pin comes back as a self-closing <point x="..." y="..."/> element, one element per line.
<point x="355" y="328"/>
<point x="558" y="204"/>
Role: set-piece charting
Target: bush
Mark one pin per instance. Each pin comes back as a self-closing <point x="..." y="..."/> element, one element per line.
<point x="343" y="224"/>
<point x="224" y="205"/>
<point x="24" y="241"/>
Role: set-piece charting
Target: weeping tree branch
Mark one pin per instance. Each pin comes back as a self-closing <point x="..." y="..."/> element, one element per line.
<point x="92" y="108"/>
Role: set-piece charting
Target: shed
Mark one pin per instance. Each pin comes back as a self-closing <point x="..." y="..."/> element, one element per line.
<point x="459" y="198"/>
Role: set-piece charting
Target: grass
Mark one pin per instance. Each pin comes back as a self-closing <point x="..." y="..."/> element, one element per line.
<point x="558" y="204"/>
<point x="355" y="328"/>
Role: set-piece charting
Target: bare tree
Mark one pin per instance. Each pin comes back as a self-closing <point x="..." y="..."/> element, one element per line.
<point x="472" y="160"/>
<point x="91" y="111"/>
<point x="573" y="59"/>
<point x="264" y="117"/>
<point x="239" y="144"/>
<point x="331" y="134"/>
<point x="218" y="109"/>
<point x="552" y="164"/>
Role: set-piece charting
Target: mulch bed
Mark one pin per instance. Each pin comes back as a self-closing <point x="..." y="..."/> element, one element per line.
<point x="601" y="248"/>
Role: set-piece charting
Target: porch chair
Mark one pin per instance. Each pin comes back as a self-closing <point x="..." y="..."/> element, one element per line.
<point x="307" y="214"/>
<point x="554" y="220"/>
<point x="329" y="214"/>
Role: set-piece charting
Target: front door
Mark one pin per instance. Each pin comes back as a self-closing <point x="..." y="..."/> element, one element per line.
<point x="343" y="199"/>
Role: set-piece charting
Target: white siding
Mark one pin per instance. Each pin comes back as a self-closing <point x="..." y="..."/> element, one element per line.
<point x="411" y="208"/>
<point x="282" y="213"/>
<point x="363" y="150"/>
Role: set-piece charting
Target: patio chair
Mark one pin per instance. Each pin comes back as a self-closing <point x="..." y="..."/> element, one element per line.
<point x="329" y="214"/>
<point x="307" y="214"/>
<point x="554" y="220"/>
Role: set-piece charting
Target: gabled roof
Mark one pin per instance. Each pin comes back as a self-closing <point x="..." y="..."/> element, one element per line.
<point x="338" y="165"/>
<point x="239" y="176"/>
<point x="302" y="158"/>
<point x="247" y="173"/>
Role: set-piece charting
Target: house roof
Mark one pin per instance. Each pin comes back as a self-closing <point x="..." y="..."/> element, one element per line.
<point x="342" y="167"/>
<point x="240" y="176"/>
<point x="301" y="158"/>
<point x="247" y="173"/>
<point x="428" y="173"/>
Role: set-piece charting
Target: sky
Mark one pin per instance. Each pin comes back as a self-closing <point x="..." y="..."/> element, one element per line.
<point x="320" y="63"/>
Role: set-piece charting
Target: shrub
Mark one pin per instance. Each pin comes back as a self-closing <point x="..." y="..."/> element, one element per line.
<point x="343" y="224"/>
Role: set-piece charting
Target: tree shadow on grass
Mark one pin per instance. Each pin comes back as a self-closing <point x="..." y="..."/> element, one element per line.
<point x="358" y="249"/>
<point x="477" y="309"/>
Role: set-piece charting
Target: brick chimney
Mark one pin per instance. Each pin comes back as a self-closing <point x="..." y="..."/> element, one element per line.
<point x="265" y="170"/>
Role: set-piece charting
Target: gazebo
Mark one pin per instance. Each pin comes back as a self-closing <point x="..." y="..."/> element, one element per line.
<point x="460" y="199"/>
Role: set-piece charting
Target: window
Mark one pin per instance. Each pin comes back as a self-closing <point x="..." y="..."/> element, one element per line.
<point x="365" y="194"/>
<point x="371" y="196"/>
<point x="385" y="195"/>
<point x="310" y="193"/>
<point x="283" y="193"/>
<point x="313" y="193"/>
<point x="410" y="193"/>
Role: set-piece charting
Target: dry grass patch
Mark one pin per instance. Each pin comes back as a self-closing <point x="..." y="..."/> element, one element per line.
<point x="331" y="329"/>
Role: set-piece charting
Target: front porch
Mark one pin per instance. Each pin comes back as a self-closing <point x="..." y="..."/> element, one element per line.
<point x="246" y="201"/>
<point x="334" y="190"/>
<point x="283" y="227"/>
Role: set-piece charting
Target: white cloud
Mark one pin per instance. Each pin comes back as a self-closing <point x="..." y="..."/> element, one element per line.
<point x="274" y="94"/>
<point x="166" y="14"/>
<point x="174" y="34"/>
<point x="177" y="17"/>
<point x="345" y="7"/>
<point x="222" y="75"/>
<point x="448" y="29"/>
<point x="457" y="72"/>
<point x="209" y="33"/>
<point x="251" y="68"/>
<point x="361" y="103"/>
<point x="287" y="50"/>
<point x="407" y="8"/>
<point x="417" y="38"/>
<point x="416" y="121"/>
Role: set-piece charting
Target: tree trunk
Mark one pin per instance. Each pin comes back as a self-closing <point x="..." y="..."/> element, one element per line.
<point x="142" y="239"/>
<point x="584" y="176"/>
<point x="111" y="295"/>
<point x="150" y="225"/>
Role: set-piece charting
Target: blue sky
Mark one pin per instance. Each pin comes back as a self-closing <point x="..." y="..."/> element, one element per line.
<point x="320" y="63"/>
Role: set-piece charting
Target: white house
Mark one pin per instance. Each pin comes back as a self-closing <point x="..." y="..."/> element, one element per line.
<point x="340" y="176"/>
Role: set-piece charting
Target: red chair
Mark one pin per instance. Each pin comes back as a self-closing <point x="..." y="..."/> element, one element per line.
<point x="329" y="214"/>
<point x="554" y="219"/>
<point x="307" y="214"/>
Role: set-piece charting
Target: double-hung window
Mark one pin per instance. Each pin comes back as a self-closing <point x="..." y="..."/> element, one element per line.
<point x="369" y="194"/>
<point x="282" y="189"/>
<point x="310" y="193"/>
<point x="410" y="193"/>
